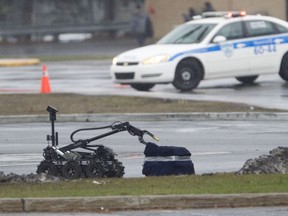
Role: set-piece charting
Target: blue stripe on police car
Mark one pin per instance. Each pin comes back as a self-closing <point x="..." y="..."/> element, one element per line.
<point x="227" y="48"/>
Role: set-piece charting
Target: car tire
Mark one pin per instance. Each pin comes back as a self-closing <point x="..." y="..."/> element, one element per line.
<point x="143" y="86"/>
<point x="247" y="79"/>
<point x="284" y="68"/>
<point x="188" y="75"/>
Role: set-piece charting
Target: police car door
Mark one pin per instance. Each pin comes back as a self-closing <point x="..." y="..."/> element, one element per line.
<point x="265" y="45"/>
<point x="231" y="57"/>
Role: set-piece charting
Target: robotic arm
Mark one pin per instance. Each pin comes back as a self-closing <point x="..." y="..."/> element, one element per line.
<point x="116" y="128"/>
<point x="134" y="131"/>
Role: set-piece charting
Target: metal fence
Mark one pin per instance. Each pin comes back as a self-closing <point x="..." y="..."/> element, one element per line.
<point x="40" y="17"/>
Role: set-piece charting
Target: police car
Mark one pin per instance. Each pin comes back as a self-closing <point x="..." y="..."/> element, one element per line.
<point x="217" y="45"/>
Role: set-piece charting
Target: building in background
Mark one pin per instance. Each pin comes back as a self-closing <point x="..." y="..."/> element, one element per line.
<point x="169" y="13"/>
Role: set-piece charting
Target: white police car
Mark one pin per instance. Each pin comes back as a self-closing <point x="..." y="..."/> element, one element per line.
<point x="231" y="45"/>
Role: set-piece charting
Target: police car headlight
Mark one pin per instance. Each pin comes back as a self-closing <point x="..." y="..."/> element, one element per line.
<point x="156" y="59"/>
<point x="114" y="61"/>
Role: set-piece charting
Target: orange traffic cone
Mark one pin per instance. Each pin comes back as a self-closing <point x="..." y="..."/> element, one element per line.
<point x="45" y="85"/>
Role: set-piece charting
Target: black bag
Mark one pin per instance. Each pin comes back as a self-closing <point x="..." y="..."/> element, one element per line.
<point x="167" y="160"/>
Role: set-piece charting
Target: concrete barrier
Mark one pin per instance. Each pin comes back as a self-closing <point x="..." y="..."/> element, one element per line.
<point x="121" y="203"/>
<point x="81" y="204"/>
<point x="11" y="205"/>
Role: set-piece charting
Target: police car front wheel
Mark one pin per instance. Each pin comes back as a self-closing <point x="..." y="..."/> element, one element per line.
<point x="188" y="75"/>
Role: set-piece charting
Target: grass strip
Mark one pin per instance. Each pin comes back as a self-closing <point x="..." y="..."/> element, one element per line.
<point x="227" y="183"/>
<point x="28" y="104"/>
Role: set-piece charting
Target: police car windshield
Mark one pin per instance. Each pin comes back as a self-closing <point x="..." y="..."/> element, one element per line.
<point x="187" y="34"/>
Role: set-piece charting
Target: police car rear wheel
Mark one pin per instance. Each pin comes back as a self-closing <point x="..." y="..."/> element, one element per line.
<point x="188" y="75"/>
<point x="143" y="87"/>
<point x="247" y="79"/>
<point x="284" y="68"/>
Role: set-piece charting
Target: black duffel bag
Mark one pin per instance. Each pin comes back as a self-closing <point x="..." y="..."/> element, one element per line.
<point x="167" y="160"/>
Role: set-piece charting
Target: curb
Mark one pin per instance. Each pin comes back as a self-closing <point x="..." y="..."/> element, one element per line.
<point x="18" y="62"/>
<point x="234" y="116"/>
<point x="124" y="203"/>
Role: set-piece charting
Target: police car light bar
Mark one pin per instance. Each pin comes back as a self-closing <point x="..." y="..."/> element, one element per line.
<point x="224" y="14"/>
<point x="237" y="13"/>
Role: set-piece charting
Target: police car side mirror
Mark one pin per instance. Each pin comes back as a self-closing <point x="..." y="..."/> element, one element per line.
<point x="219" y="39"/>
